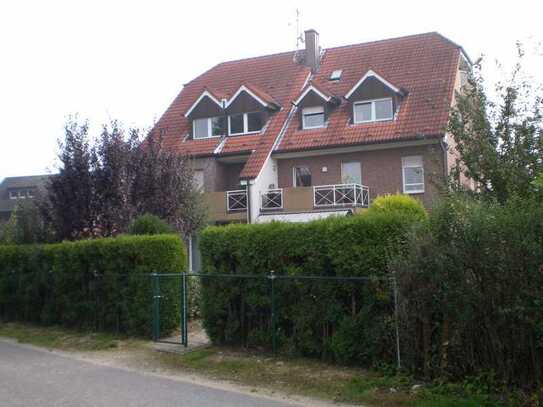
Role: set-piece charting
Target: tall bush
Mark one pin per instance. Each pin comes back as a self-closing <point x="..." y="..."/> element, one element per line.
<point x="101" y="284"/>
<point x="471" y="291"/>
<point x="347" y="321"/>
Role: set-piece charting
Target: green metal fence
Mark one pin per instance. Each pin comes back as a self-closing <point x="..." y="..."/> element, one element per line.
<point x="270" y="283"/>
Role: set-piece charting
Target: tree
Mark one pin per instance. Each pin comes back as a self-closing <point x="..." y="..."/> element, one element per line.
<point x="500" y="144"/>
<point x="25" y="225"/>
<point x="102" y="186"/>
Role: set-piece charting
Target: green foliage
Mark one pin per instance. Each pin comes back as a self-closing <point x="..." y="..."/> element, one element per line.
<point x="100" y="284"/>
<point x="471" y="286"/>
<point x="24" y="226"/>
<point x="500" y="141"/>
<point x="398" y="203"/>
<point x="319" y="318"/>
<point x="149" y="225"/>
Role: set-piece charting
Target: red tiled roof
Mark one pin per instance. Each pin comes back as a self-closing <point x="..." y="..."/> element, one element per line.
<point x="423" y="64"/>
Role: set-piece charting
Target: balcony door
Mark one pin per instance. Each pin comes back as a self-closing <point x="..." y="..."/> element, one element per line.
<point x="351" y="172"/>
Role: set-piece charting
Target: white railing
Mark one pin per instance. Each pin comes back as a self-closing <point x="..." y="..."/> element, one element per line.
<point x="341" y="195"/>
<point x="236" y="200"/>
<point x="271" y="199"/>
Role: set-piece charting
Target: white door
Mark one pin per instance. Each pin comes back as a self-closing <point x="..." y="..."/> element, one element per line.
<point x="351" y="173"/>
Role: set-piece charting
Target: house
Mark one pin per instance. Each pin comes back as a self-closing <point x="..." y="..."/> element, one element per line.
<point x="316" y="132"/>
<point x="15" y="189"/>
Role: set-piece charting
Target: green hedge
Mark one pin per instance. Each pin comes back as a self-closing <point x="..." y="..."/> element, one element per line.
<point x="94" y="284"/>
<point x="344" y="321"/>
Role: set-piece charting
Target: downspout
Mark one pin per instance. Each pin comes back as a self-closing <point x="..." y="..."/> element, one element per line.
<point x="248" y="189"/>
<point x="443" y="145"/>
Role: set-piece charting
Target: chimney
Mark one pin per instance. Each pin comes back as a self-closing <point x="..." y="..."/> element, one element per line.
<point x="312" y="50"/>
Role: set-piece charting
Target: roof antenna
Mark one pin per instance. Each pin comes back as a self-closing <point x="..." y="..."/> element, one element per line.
<point x="299" y="36"/>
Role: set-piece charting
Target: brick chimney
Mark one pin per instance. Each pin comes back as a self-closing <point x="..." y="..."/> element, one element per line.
<point x="312" y="50"/>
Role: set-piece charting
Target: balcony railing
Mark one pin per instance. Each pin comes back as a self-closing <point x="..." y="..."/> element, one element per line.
<point x="341" y="195"/>
<point x="236" y="200"/>
<point x="271" y="199"/>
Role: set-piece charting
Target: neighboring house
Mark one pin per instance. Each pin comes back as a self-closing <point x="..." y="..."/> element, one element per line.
<point x="15" y="189"/>
<point x="305" y="134"/>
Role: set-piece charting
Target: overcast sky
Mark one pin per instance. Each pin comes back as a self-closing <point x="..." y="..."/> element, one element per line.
<point x="128" y="60"/>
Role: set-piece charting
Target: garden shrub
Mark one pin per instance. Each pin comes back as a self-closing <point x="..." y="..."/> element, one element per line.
<point x="347" y="321"/>
<point x="471" y="289"/>
<point x="398" y="203"/>
<point x="100" y="284"/>
<point x="149" y="225"/>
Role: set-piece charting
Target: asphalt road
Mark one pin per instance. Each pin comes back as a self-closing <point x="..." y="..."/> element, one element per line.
<point x="32" y="377"/>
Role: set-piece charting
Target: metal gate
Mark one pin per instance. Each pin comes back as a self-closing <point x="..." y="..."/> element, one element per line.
<point x="159" y="297"/>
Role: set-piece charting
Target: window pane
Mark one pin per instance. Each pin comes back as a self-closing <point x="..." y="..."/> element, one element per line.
<point x="199" y="179"/>
<point x="362" y="112"/>
<point x="255" y="121"/>
<point x="218" y="126"/>
<point x="414" y="188"/>
<point x="413" y="175"/>
<point x="313" y="120"/>
<point x="351" y="173"/>
<point x="383" y="109"/>
<point x="302" y="177"/>
<point x="201" y="128"/>
<point x="236" y="124"/>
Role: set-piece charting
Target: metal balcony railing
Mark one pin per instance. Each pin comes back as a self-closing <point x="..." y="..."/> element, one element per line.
<point x="271" y="199"/>
<point x="236" y="200"/>
<point x="341" y="195"/>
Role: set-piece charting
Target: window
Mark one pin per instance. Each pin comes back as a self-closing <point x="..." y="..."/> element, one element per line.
<point x="244" y="123"/>
<point x="209" y="127"/>
<point x="13" y="195"/>
<point x="313" y="117"/>
<point x="301" y="177"/>
<point x="199" y="180"/>
<point x="373" y="111"/>
<point x="29" y="193"/>
<point x="351" y="173"/>
<point x="336" y="75"/>
<point x="413" y="175"/>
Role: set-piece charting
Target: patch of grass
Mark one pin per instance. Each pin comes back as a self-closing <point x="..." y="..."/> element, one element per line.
<point x="316" y="379"/>
<point x="59" y="338"/>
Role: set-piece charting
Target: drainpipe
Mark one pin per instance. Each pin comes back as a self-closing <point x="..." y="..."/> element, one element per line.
<point x="248" y="188"/>
<point x="443" y="145"/>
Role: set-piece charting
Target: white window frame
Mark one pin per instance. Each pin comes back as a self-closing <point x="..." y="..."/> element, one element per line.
<point x="294" y="183"/>
<point x="13" y="194"/>
<point x="310" y="111"/>
<point x="209" y="128"/>
<point x="407" y="162"/>
<point x="343" y="171"/>
<point x="245" y="124"/>
<point x="372" y="104"/>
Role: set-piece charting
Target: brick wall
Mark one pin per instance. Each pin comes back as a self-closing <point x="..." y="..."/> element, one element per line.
<point x="381" y="169"/>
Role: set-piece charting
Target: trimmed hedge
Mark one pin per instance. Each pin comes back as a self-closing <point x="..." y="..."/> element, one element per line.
<point x="345" y="321"/>
<point x="99" y="284"/>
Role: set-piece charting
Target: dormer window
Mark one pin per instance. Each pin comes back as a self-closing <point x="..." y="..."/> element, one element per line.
<point x="313" y="117"/>
<point x="373" y="110"/>
<point x="245" y="123"/>
<point x="209" y="127"/>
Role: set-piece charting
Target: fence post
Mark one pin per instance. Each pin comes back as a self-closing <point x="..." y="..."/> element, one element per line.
<point x="156" y="312"/>
<point x="273" y="316"/>
<point x="184" y="335"/>
<point x="396" y="323"/>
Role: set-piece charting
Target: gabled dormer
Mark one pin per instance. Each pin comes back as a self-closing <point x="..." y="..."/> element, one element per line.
<point x="314" y="106"/>
<point x="245" y="112"/>
<point x="248" y="110"/>
<point x="374" y="99"/>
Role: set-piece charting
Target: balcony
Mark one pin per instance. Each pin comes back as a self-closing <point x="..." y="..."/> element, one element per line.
<point x="325" y="196"/>
<point x="230" y="206"/>
<point x="304" y="199"/>
<point x="236" y="200"/>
